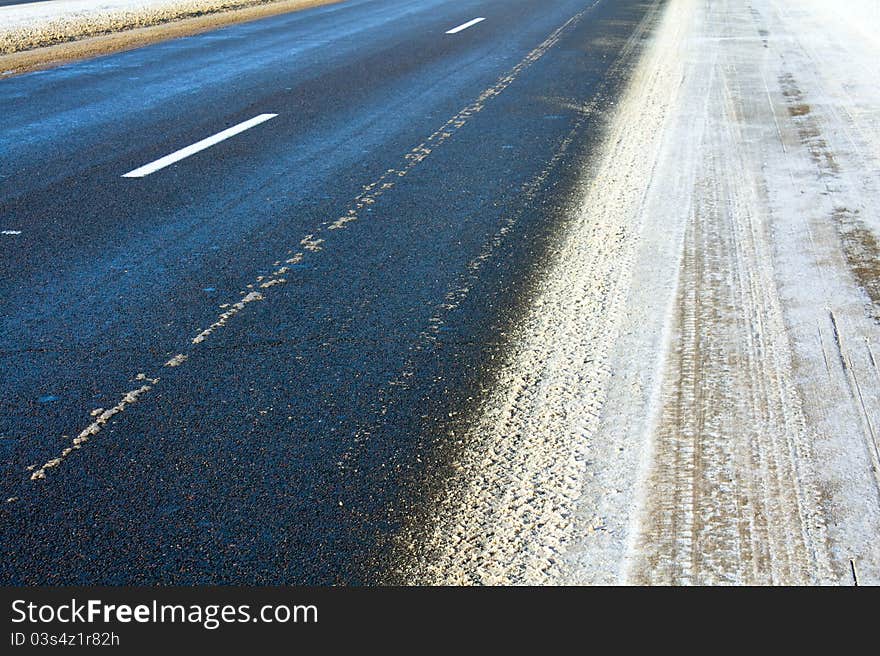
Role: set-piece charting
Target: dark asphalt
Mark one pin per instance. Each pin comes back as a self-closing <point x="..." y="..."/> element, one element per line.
<point x="292" y="443"/>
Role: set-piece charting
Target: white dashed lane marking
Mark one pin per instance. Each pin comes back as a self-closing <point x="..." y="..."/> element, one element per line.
<point x="199" y="146"/>
<point x="464" y="26"/>
<point x="312" y="244"/>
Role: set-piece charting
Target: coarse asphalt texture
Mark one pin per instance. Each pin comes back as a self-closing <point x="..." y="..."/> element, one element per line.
<point x="360" y="232"/>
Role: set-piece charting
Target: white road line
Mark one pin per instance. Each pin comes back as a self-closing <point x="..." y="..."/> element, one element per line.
<point x="11" y="232"/>
<point x="464" y="26"/>
<point x="183" y="153"/>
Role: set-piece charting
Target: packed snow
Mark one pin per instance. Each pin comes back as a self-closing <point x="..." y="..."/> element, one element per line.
<point x="695" y="398"/>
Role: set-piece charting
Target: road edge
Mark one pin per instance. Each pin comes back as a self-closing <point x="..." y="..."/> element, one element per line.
<point x="87" y="47"/>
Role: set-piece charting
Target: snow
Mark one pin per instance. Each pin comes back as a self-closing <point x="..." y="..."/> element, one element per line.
<point x="28" y="15"/>
<point x="695" y="397"/>
<point x="32" y="25"/>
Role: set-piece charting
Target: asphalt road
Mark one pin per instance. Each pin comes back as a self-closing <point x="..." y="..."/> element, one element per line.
<point x="293" y="439"/>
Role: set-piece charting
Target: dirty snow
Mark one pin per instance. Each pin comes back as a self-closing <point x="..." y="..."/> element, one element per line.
<point x="695" y="397"/>
<point x="102" y="417"/>
<point x="33" y="25"/>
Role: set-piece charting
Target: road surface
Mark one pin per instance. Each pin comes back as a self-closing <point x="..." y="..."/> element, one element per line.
<point x="234" y="368"/>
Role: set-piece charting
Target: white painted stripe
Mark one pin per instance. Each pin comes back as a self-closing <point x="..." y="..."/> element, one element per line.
<point x="464" y="26"/>
<point x="183" y="153"/>
<point x="11" y="232"/>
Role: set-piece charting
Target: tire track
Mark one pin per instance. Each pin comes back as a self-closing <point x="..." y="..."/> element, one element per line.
<point x="732" y="494"/>
<point x="509" y="514"/>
